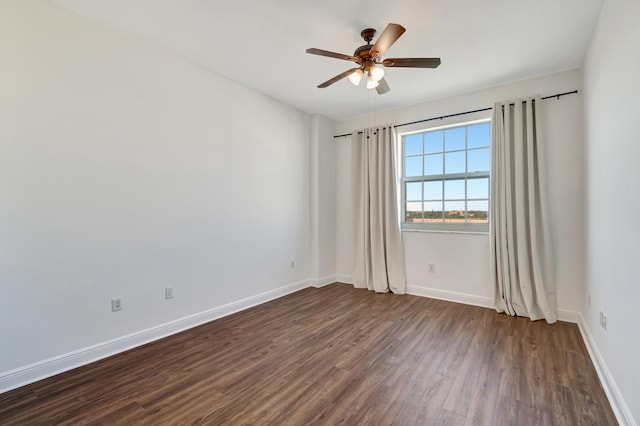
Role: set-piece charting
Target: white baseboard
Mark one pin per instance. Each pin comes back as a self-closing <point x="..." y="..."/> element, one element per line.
<point x="321" y="282"/>
<point x="451" y="296"/>
<point x="569" y="316"/>
<point x="618" y="404"/>
<point x="41" y="370"/>
<point x="345" y="279"/>
<point x="472" y="299"/>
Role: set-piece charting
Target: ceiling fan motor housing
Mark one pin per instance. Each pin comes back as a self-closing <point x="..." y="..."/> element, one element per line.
<point x="363" y="51"/>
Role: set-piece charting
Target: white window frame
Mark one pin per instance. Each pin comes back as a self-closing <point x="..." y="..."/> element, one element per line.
<point x="443" y="226"/>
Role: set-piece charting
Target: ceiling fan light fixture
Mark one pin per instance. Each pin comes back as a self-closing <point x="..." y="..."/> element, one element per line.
<point x="371" y="83"/>
<point x="376" y="73"/>
<point x="355" y="77"/>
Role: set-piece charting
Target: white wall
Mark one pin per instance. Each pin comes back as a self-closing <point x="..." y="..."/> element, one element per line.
<point x="611" y="88"/>
<point x="462" y="260"/>
<point x="123" y="170"/>
<point x="323" y="205"/>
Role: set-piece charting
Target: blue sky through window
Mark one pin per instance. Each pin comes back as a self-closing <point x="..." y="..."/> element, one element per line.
<point x="438" y="143"/>
<point x="433" y="142"/>
<point x="478" y="188"/>
<point x="479" y="160"/>
<point x="433" y="190"/>
<point x="454" y="189"/>
<point x="454" y="139"/>
<point x="479" y="135"/>
<point x="413" y="144"/>
<point x="433" y="164"/>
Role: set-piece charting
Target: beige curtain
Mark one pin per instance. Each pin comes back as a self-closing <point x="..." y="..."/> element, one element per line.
<point x="522" y="266"/>
<point x="379" y="257"/>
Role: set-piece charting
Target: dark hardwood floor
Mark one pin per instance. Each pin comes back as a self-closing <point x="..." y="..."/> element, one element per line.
<point x="335" y="355"/>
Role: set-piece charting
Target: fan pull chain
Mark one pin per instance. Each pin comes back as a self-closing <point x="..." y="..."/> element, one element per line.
<point x="368" y="109"/>
<point x="375" y="109"/>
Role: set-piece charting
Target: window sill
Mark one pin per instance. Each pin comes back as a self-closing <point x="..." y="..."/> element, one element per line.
<point x="438" y="231"/>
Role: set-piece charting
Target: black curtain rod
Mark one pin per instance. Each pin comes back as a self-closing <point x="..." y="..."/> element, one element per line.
<point x="557" y="96"/>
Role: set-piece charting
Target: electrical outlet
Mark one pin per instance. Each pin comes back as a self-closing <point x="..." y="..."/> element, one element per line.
<point x="168" y="292"/>
<point x="603" y="320"/>
<point x="293" y="264"/>
<point x="116" y="304"/>
<point x="432" y="268"/>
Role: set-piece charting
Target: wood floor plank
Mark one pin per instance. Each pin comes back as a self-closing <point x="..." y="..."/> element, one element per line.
<point x="334" y="355"/>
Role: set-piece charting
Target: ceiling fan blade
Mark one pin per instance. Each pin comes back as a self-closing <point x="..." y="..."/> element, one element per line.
<point x="412" y="62"/>
<point x="321" y="52"/>
<point x="383" y="87"/>
<point x="337" y="78"/>
<point x="386" y="39"/>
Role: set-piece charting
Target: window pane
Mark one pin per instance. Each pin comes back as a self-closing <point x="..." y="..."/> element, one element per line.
<point x="413" y="144"/>
<point x="433" y="190"/>
<point x="433" y="142"/>
<point x="413" y="212"/>
<point x="478" y="135"/>
<point x="478" y="188"/>
<point x="454" y="139"/>
<point x="433" y="211"/>
<point x="433" y="164"/>
<point x="454" y="189"/>
<point x="454" y="162"/>
<point x="413" y="191"/>
<point x="454" y="211"/>
<point x="413" y="166"/>
<point x="479" y="160"/>
<point x="447" y="176"/>
<point x="478" y="211"/>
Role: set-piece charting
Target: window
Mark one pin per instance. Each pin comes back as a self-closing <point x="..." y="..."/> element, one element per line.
<point x="445" y="178"/>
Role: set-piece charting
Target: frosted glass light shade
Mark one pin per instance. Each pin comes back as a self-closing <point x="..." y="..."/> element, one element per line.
<point x="376" y="73"/>
<point x="371" y="83"/>
<point x="355" y="77"/>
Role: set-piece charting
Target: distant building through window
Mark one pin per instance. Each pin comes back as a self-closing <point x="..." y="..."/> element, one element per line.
<point x="445" y="178"/>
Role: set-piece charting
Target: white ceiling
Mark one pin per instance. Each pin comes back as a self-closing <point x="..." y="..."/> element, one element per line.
<point x="261" y="43"/>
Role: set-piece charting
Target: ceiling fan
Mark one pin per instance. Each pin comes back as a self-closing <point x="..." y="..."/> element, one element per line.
<point x="369" y="56"/>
